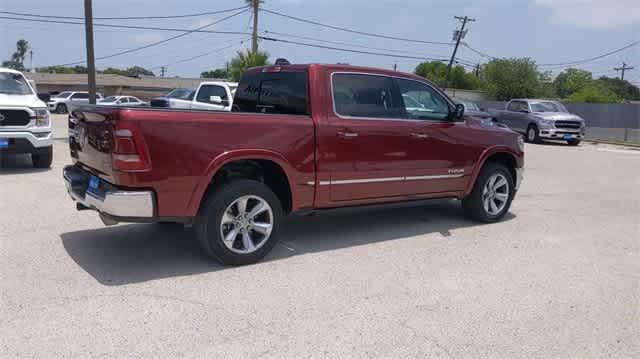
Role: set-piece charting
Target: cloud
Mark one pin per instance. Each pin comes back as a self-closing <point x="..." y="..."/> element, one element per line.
<point x="144" y="38"/>
<point x="597" y="14"/>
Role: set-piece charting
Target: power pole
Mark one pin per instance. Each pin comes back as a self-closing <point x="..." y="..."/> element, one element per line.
<point x="91" y="63"/>
<point x="254" y="37"/>
<point x="623" y="69"/>
<point x="457" y="36"/>
<point x="31" y="60"/>
<point x="395" y="67"/>
<point x="477" y="71"/>
<point x="163" y="71"/>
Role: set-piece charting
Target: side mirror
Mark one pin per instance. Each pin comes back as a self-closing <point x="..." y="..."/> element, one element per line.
<point x="458" y="113"/>
<point x="217" y="100"/>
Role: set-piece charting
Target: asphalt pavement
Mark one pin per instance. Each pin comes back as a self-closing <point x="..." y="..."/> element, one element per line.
<point x="558" y="278"/>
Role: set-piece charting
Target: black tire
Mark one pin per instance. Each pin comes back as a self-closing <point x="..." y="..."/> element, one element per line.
<point x="473" y="204"/>
<point x="209" y="220"/>
<point x="573" y="142"/>
<point x="61" y="108"/>
<point x="44" y="159"/>
<point x="536" y="132"/>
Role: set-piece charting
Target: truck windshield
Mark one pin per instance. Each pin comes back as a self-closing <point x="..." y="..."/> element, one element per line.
<point x="14" y="84"/>
<point x="63" y="95"/>
<point x="547" y="106"/>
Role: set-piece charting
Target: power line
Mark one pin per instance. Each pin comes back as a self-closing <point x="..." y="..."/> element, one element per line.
<point x="200" y="55"/>
<point x="348" y="44"/>
<point x="579" y="62"/>
<point x="350" y="50"/>
<point x="351" y="30"/>
<point x="161" y="41"/>
<point x="119" y="26"/>
<point x="124" y="17"/>
<point x="478" y="52"/>
<point x="623" y="69"/>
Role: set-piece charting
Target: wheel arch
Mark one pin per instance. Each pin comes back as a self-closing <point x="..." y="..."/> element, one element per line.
<point x="247" y="162"/>
<point x="499" y="154"/>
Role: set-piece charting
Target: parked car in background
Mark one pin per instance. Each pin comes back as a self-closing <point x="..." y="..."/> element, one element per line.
<point x="215" y="96"/>
<point x="542" y="119"/>
<point x="300" y="138"/>
<point x="122" y="101"/>
<point x="62" y="102"/>
<point x="25" y="123"/>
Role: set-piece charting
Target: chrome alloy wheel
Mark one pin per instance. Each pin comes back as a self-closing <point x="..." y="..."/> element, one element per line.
<point x="495" y="194"/>
<point x="246" y="224"/>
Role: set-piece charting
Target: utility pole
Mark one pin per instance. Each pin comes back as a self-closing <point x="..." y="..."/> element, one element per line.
<point x="457" y="36"/>
<point x="623" y="69"/>
<point x="31" y="60"/>
<point x="254" y="37"/>
<point x="91" y="63"/>
<point x="395" y="66"/>
<point x="163" y="71"/>
<point x="477" y="71"/>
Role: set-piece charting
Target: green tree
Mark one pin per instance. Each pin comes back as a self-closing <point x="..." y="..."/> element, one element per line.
<point x="245" y="60"/>
<point x="214" y="74"/>
<point x="504" y="79"/>
<point x="622" y="88"/>
<point x="63" y="70"/>
<point x="570" y="81"/>
<point x="436" y="72"/>
<point x="13" y="65"/>
<point x="131" y="71"/>
<point x="594" y="93"/>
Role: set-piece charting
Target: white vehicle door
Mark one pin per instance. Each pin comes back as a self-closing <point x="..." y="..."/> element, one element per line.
<point x="80" y="98"/>
<point x="212" y="97"/>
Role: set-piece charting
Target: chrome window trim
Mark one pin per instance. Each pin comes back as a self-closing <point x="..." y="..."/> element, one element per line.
<point x="385" y="179"/>
<point x="346" y="117"/>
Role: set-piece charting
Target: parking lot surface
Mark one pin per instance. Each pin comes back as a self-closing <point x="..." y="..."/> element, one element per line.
<point x="560" y="277"/>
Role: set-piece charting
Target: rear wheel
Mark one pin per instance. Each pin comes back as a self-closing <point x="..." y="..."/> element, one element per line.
<point x="238" y="223"/>
<point x="43" y="159"/>
<point x="61" y="108"/>
<point x="492" y="194"/>
<point x="573" y="142"/>
<point x="533" y="134"/>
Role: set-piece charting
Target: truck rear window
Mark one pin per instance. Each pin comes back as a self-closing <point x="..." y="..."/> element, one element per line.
<point x="272" y="92"/>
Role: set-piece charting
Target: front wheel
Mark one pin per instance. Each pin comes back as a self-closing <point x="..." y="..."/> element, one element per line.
<point x="533" y="134"/>
<point x="238" y="223"/>
<point x="492" y="194"/>
<point x="61" y="108"/>
<point x="44" y="159"/>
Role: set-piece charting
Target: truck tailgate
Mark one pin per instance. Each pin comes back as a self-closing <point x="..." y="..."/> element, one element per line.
<point x="91" y="138"/>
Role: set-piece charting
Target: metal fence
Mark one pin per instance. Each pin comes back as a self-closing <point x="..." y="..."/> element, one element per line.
<point x="612" y="122"/>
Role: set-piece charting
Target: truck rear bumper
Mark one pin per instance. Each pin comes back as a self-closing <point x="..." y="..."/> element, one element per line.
<point x="108" y="199"/>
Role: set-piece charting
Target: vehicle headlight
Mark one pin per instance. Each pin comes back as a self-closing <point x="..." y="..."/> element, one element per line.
<point x="43" y="117"/>
<point x="546" y="123"/>
<point x="520" y="143"/>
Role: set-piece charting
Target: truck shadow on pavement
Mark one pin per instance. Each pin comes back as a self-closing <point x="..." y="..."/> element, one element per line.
<point x="17" y="164"/>
<point x="137" y="253"/>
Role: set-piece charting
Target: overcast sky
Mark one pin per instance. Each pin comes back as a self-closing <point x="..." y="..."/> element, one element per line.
<point x="549" y="31"/>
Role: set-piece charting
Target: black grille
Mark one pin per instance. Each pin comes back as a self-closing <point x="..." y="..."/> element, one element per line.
<point x="14" y="118"/>
<point x="568" y="124"/>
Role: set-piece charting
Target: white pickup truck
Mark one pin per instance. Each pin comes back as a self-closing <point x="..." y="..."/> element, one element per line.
<point x="25" y="121"/>
<point x="214" y="96"/>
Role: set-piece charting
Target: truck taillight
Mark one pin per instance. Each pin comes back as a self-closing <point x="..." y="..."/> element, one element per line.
<point x="130" y="150"/>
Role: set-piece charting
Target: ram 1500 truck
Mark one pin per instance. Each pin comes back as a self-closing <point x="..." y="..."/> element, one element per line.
<point x="25" y="122"/>
<point x="542" y="119"/>
<point x="300" y="138"/>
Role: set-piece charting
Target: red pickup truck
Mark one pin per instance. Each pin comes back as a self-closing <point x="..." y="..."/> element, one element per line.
<point x="300" y="137"/>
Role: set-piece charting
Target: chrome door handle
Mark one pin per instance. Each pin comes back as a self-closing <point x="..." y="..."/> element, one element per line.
<point x="347" y="134"/>
<point x="419" y="135"/>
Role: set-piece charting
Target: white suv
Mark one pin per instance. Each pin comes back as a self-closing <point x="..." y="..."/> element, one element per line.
<point x="25" y="122"/>
<point x="62" y="102"/>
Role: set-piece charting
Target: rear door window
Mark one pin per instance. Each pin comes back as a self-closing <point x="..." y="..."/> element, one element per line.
<point x="80" y="96"/>
<point x="272" y="92"/>
<point x="365" y="96"/>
